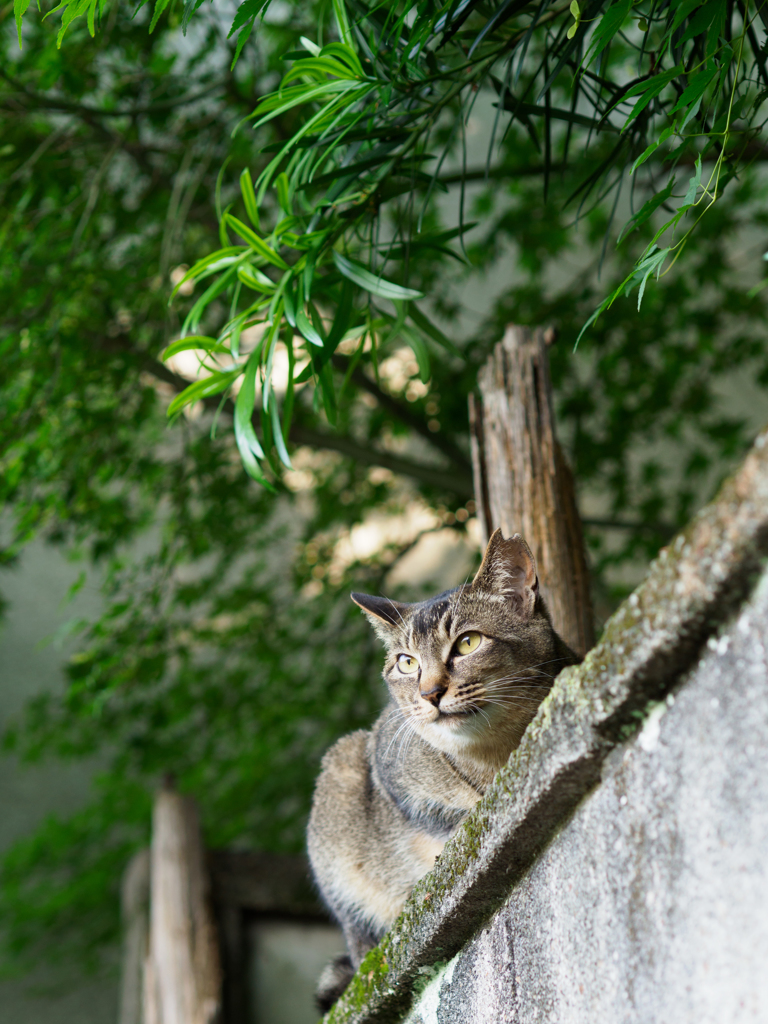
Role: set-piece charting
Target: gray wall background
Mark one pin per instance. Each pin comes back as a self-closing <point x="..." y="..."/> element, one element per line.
<point x="36" y="589"/>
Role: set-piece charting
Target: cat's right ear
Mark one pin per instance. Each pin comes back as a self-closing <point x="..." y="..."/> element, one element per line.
<point x="509" y="570"/>
<point x="384" y="614"/>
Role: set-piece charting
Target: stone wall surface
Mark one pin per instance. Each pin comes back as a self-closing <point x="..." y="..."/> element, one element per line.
<point x="651" y="903"/>
<point x="615" y="870"/>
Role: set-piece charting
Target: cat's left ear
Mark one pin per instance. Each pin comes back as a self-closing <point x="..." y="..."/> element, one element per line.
<point x="509" y="570"/>
<point x="383" y="613"/>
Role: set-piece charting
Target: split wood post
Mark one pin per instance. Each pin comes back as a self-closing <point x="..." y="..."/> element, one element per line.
<point x="182" y="977"/>
<point x="522" y="481"/>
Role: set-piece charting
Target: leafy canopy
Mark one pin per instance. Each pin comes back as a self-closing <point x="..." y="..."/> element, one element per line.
<point x="307" y="254"/>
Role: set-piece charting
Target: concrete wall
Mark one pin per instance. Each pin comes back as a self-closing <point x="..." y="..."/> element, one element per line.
<point x="617" y="869"/>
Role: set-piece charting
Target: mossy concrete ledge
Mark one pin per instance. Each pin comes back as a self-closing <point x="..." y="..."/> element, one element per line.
<point x="693" y="588"/>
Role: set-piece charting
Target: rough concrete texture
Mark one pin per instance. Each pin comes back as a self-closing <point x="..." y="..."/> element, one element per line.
<point x="692" y="589"/>
<point x="651" y="905"/>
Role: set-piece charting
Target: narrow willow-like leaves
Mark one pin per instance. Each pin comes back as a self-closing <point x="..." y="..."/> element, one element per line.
<point x="366" y="104"/>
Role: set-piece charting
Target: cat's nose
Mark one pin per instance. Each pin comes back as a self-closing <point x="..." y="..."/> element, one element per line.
<point x="434" y="695"/>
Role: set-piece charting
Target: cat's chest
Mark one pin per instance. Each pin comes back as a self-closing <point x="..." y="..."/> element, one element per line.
<point x="425" y="785"/>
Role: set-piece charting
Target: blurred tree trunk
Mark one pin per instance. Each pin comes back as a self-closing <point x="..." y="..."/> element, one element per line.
<point x="522" y="481"/>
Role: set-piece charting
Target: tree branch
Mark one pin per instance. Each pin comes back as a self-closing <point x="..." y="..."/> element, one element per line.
<point x="44" y="102"/>
<point x="452" y="480"/>
<point x="456" y="479"/>
<point x="405" y="415"/>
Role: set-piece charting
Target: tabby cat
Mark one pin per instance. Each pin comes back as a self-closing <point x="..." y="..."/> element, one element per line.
<point x="466" y="672"/>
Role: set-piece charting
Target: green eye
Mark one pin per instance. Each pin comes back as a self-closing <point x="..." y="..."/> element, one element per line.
<point x="468" y="643"/>
<point x="407" y="664"/>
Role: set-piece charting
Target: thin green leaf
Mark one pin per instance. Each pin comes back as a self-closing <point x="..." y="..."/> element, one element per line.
<point x="244" y="406"/>
<point x="192" y="319"/>
<point x="277" y="432"/>
<point x="160" y="6"/>
<point x="419" y="349"/>
<point x="306" y="241"/>
<point x="345" y="54"/>
<point x="363" y="277"/>
<point x="696" y="85"/>
<point x="430" y="329"/>
<point x="647" y="210"/>
<point x="313" y="48"/>
<point x="609" y="25"/>
<point x="258" y="245"/>
<point x="649" y="90"/>
<point x="328" y="392"/>
<point x="289" y="304"/>
<point x="214" y="260"/>
<point x="693" y="185"/>
<point x="270" y="344"/>
<point x="306" y="328"/>
<point x="653" y="147"/>
<point x="249" y="198"/>
<point x="190" y="6"/>
<point x="19" y="10"/>
<point x="683" y="10"/>
<point x="242" y="39"/>
<point x="525" y="110"/>
<point x="649" y="265"/>
<point x="317" y="66"/>
<point x="254" y="279"/>
<point x="247" y="11"/>
<point x="651" y="261"/>
<point x="199" y="389"/>
<point x="708" y="14"/>
<point x="342" y="22"/>
<point x="278" y="103"/>
<point x="196" y="342"/>
<point x="283" y="189"/>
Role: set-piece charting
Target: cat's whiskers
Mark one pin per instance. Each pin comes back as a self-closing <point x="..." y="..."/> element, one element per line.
<point x="517" y="699"/>
<point x="406" y="745"/>
<point x="479" y="710"/>
<point x="505" y="702"/>
<point x="518" y="678"/>
<point x="406" y="724"/>
<point x="539" y="691"/>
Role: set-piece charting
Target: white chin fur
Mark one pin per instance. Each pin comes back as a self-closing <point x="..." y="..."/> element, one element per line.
<point x="453" y="734"/>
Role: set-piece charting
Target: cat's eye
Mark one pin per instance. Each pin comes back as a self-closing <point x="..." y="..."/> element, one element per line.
<point x="407" y="664"/>
<point x="468" y="643"/>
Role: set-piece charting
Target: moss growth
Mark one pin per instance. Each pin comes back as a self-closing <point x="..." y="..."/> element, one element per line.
<point x="370" y="978"/>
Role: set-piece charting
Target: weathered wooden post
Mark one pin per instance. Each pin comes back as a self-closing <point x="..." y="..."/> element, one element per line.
<point x="522" y="481"/>
<point x="134" y="909"/>
<point x="182" y="976"/>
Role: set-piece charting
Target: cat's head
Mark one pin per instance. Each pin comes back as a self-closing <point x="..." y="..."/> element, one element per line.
<point x="469" y="667"/>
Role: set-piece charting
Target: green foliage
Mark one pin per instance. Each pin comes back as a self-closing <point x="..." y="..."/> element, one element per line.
<point x="327" y="238"/>
<point x="373" y="99"/>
